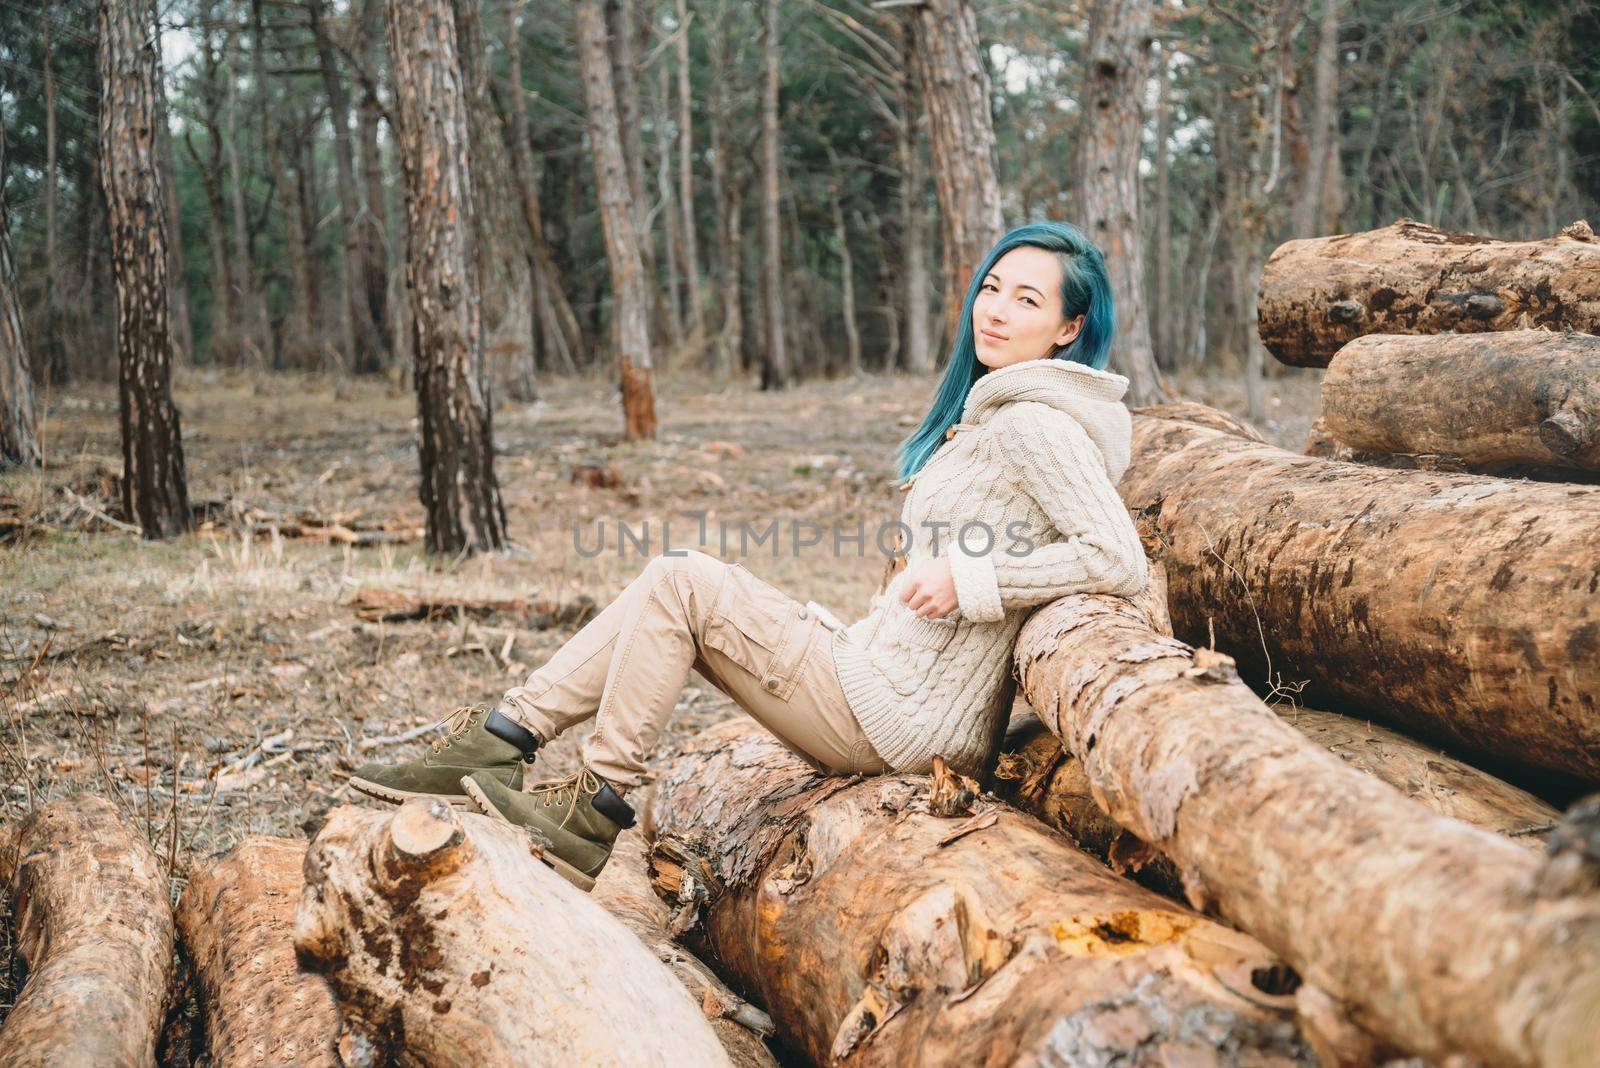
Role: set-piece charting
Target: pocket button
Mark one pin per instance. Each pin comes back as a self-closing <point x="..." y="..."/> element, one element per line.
<point x="772" y="684"/>
<point x="802" y="613"/>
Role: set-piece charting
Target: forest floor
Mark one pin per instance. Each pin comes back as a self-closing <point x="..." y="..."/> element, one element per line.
<point x="153" y="672"/>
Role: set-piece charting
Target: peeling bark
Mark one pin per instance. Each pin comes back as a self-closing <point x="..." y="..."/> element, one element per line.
<point x="447" y="943"/>
<point x="1487" y="400"/>
<point x="237" y="923"/>
<point x="1459" y="607"/>
<point x="1468" y="943"/>
<point x="1410" y="278"/>
<point x="874" y="931"/>
<point x="93" y="924"/>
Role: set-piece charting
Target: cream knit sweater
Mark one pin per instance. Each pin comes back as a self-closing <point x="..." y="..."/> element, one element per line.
<point x="1040" y="444"/>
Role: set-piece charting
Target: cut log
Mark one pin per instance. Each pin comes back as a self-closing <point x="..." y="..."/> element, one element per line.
<point x="624" y="890"/>
<point x="393" y="606"/>
<point x="1468" y="943"/>
<point x="94" y="926"/>
<point x="874" y="931"/>
<point x="1201" y="415"/>
<point x="1460" y="607"/>
<point x="1319" y="293"/>
<point x="1039" y="776"/>
<point x="445" y="938"/>
<point x="1491" y="400"/>
<point x="236" y="920"/>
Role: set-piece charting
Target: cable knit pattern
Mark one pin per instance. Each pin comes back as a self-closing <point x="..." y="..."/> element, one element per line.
<point x="1034" y="462"/>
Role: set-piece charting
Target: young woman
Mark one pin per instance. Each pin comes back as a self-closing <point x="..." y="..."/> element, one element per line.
<point x="1011" y="504"/>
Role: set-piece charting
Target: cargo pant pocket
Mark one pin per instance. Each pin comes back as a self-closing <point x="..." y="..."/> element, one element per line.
<point x="760" y="628"/>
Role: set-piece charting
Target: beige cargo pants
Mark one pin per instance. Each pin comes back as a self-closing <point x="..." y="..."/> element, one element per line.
<point x="628" y="665"/>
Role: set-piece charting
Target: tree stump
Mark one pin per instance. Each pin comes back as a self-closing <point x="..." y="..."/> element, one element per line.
<point x="237" y="923"/>
<point x="94" y="926"/>
<point x="877" y="932"/>
<point x="1467" y="942"/>
<point x="447" y="943"/>
<point x="1319" y="293"/>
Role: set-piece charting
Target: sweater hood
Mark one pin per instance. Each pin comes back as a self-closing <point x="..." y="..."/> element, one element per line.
<point x="1092" y="398"/>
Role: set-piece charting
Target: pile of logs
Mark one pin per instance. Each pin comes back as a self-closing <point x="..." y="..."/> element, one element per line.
<point x="1196" y="848"/>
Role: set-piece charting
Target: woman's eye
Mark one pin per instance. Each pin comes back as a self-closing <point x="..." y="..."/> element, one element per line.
<point x="1029" y="302"/>
<point x="986" y="287"/>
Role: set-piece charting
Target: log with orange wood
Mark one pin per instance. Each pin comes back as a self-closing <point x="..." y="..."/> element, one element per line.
<point x="1460" y="607"/>
<point x="1319" y="293"/>
<point x="877" y="930"/>
<point x="1468" y="943"/>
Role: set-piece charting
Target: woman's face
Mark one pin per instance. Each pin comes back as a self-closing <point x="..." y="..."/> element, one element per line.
<point x="1017" y="314"/>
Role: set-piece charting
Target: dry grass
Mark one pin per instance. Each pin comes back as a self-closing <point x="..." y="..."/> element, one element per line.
<point x="153" y="672"/>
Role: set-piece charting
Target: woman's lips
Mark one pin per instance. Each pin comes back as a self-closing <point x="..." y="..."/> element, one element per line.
<point x="991" y="335"/>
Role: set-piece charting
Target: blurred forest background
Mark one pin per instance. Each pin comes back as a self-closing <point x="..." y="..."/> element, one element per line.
<point x="1261" y="122"/>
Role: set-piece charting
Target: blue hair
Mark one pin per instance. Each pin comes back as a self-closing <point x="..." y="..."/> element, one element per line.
<point x="1085" y="290"/>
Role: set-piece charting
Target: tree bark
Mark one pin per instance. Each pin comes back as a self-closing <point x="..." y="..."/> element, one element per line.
<point x="19" y="435"/>
<point x="1287" y="842"/>
<point x="877" y="932"/>
<point x="1309" y="217"/>
<point x="372" y="230"/>
<point x="691" y="243"/>
<point x="1164" y="319"/>
<point x="459" y="491"/>
<point x="629" y="300"/>
<point x="918" y="348"/>
<point x="1110" y="147"/>
<point x="446" y="940"/>
<point x="775" y="361"/>
<point x="1519" y="397"/>
<point x="1410" y="278"/>
<point x="50" y="368"/>
<point x="92" y="924"/>
<point x="237" y="923"/>
<point x="847" y="284"/>
<point x="623" y="889"/>
<point x="1455" y="605"/>
<point x="154" y="487"/>
<point x="955" y="92"/>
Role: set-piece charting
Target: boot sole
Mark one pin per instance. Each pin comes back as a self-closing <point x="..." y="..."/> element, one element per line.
<point x="572" y="875"/>
<point x="400" y="797"/>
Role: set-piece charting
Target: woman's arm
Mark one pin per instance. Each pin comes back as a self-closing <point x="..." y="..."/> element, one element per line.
<point x="1049" y="456"/>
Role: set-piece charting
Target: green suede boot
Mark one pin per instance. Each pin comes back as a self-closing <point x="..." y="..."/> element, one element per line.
<point x="579" y="817"/>
<point x="479" y="739"/>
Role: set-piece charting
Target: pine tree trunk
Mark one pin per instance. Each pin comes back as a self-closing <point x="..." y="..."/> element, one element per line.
<point x="1308" y="217"/>
<point x="19" y="435"/>
<point x="955" y="91"/>
<point x="724" y="199"/>
<point x="1118" y="66"/>
<point x="154" y="487"/>
<point x="686" y="211"/>
<point x="629" y="299"/>
<point x="1287" y="842"/>
<point x="1163" y="316"/>
<point x="1455" y="606"/>
<point x="359" y="334"/>
<point x="372" y="234"/>
<point x="775" y="360"/>
<point x="459" y="491"/>
<point x="918" y="347"/>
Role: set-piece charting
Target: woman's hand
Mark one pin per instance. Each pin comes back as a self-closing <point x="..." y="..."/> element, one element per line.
<point x="929" y="588"/>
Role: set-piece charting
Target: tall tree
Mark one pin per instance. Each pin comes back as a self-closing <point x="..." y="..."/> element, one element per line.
<point x="1117" y="67"/>
<point x="775" y="361"/>
<point x="629" y="296"/>
<point x="691" y="245"/>
<point x="372" y="239"/>
<point x="19" y="439"/>
<point x="724" y="194"/>
<point x="459" y="491"/>
<point x="154" y="486"/>
<point x="955" y="92"/>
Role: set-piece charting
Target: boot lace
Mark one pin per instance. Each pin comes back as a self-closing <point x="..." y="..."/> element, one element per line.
<point x="456" y="724"/>
<point x="568" y="790"/>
